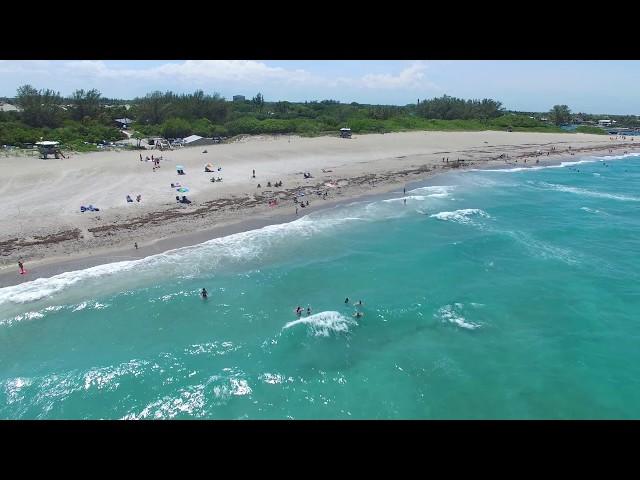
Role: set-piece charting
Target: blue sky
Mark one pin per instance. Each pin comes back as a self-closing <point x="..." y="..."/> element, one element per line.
<point x="588" y="86"/>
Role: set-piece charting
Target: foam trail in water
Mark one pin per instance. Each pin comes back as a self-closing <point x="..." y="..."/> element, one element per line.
<point x="588" y="193"/>
<point x="460" y="216"/>
<point x="453" y="314"/>
<point x="322" y="324"/>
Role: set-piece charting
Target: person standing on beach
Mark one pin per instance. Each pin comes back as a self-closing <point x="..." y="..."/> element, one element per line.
<point x="136" y="245"/>
<point x="140" y="157"/>
<point x="296" y="210"/>
<point x="21" y="267"/>
<point x="254" y="174"/>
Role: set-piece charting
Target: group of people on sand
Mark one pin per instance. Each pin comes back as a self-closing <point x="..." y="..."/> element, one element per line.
<point x="138" y="198"/>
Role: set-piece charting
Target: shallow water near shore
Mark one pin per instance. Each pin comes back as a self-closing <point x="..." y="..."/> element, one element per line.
<point x="490" y="294"/>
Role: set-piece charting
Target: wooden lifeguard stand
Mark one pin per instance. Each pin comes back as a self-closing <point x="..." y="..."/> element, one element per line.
<point x="49" y="148"/>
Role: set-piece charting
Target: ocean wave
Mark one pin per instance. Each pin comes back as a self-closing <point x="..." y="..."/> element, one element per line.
<point x="453" y="314"/>
<point x="323" y="324"/>
<point x="590" y="210"/>
<point x="460" y="216"/>
<point x="434" y="191"/>
<point x="241" y="247"/>
<point x="587" y="193"/>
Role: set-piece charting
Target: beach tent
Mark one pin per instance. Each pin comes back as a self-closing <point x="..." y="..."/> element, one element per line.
<point x="209" y="167"/>
<point x="180" y="169"/>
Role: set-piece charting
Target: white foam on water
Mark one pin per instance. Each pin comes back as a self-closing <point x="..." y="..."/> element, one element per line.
<point x="460" y="216"/>
<point x="239" y="247"/>
<point x="452" y="314"/>
<point x="13" y="388"/>
<point x="322" y="324"/>
<point x="408" y="197"/>
<point x="587" y="193"/>
<point x="435" y="191"/>
<point x="590" y="210"/>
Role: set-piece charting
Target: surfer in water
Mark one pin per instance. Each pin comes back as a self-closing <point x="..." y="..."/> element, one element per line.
<point x="299" y="311"/>
<point x="346" y="300"/>
<point x="204" y="293"/>
<point x="308" y="311"/>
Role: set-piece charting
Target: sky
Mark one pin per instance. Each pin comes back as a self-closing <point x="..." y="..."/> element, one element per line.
<point x="526" y="85"/>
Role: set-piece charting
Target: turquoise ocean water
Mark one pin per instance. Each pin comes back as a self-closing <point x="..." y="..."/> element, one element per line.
<point x="490" y="294"/>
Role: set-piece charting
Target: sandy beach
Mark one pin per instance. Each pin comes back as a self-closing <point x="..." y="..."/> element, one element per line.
<point x="43" y="223"/>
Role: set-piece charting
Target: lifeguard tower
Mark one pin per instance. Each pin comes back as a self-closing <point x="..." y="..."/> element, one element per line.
<point x="345" y="133"/>
<point x="49" y="148"/>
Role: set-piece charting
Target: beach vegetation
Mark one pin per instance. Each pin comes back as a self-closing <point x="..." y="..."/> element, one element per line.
<point x="88" y="118"/>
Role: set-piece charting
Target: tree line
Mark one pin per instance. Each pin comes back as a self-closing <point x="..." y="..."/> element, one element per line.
<point x="86" y="116"/>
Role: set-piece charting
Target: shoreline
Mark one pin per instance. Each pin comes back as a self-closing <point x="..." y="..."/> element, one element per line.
<point x="244" y="216"/>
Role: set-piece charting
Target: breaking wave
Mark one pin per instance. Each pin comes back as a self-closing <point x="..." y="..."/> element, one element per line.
<point x="323" y="324"/>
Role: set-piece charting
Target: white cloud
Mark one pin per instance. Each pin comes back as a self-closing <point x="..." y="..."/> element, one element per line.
<point x="245" y="71"/>
<point x="128" y="79"/>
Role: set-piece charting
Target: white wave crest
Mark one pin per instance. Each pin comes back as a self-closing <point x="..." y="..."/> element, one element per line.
<point x="322" y="324"/>
<point x="588" y="193"/>
<point x="434" y="191"/>
<point x="460" y="216"/>
<point x="452" y="314"/>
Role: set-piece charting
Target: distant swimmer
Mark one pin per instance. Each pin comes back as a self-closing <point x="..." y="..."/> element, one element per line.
<point x="405" y="201"/>
<point x="204" y="293"/>
<point x="360" y="302"/>
<point x="358" y="314"/>
<point x="299" y="311"/>
<point x="308" y="310"/>
<point x="346" y="300"/>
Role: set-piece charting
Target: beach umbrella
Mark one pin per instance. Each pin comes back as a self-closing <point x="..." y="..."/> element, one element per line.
<point x="179" y="167"/>
<point x="183" y="189"/>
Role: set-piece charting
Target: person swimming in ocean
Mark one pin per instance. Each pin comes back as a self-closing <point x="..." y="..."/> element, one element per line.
<point x="346" y="300"/>
<point x="299" y="311"/>
<point x="358" y="314"/>
<point x="204" y="293"/>
<point x="360" y="302"/>
<point x="308" y="311"/>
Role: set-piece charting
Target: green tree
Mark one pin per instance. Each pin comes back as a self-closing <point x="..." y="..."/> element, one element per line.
<point x="175" y="128"/>
<point x="86" y="105"/>
<point x="258" y="101"/>
<point x="560" y="114"/>
<point x="41" y="108"/>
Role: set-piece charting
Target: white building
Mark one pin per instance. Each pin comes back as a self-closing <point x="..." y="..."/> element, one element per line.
<point x="7" y="107"/>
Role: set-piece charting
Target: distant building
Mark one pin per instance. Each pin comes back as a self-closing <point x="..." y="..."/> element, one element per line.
<point x="238" y="98"/>
<point x="123" y="122"/>
<point x="606" y="122"/>
<point x="7" y="107"/>
<point x="194" y="140"/>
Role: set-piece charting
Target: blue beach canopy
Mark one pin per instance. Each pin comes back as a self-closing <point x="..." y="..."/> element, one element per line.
<point x="179" y="167"/>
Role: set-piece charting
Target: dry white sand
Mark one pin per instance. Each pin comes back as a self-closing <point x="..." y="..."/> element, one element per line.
<point x="42" y="198"/>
